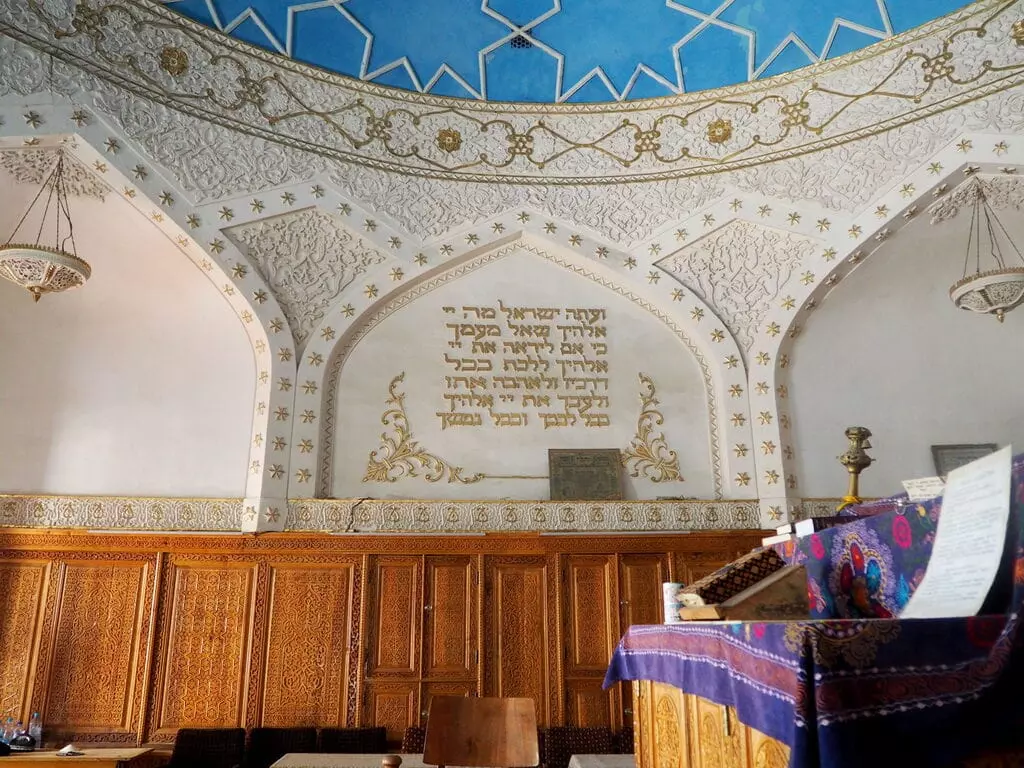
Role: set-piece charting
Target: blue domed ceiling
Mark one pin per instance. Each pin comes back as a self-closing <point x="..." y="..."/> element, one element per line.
<point x="562" y="50"/>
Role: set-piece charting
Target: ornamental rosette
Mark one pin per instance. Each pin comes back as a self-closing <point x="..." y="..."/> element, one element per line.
<point x="173" y="61"/>
<point x="449" y="139"/>
<point x="1017" y="32"/>
<point x="719" y="130"/>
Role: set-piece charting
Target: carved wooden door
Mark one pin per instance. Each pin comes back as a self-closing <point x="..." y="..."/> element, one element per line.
<point x="640" y="602"/>
<point x="519" y="649"/>
<point x="590" y="633"/>
<point x="451" y="619"/>
<point x="391" y="670"/>
<point x="310" y="656"/>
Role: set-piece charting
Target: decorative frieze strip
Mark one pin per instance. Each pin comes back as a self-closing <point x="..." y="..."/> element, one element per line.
<point x="121" y="513"/>
<point x="155" y="53"/>
<point x="388" y="515"/>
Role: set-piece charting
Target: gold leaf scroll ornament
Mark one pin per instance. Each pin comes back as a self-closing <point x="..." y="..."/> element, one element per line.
<point x="649" y="455"/>
<point x="400" y="455"/>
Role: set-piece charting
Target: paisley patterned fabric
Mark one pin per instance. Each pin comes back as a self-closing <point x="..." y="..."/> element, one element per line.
<point x="857" y="687"/>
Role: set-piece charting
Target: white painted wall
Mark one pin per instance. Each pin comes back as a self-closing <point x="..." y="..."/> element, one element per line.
<point x="415" y="340"/>
<point x="888" y="350"/>
<point x="140" y="383"/>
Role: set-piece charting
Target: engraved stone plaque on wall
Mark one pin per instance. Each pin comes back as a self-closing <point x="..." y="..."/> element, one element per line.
<point x="585" y="475"/>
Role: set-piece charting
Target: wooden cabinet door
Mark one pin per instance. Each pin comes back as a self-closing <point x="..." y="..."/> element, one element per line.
<point x="450" y="647"/>
<point x="309" y="645"/>
<point x="393" y="704"/>
<point x="590" y="633"/>
<point x="718" y="738"/>
<point x="640" y="580"/>
<point x="396" y="610"/>
<point x="640" y="602"/>
<point x="520" y="638"/>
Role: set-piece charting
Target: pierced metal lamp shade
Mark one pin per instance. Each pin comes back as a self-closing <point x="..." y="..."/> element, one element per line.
<point x="40" y="270"/>
<point x="990" y="293"/>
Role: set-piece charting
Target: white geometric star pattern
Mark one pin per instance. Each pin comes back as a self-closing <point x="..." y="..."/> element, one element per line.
<point x="562" y="50"/>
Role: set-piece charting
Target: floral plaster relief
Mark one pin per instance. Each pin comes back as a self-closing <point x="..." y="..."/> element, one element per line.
<point x="308" y="259"/>
<point x="740" y="270"/>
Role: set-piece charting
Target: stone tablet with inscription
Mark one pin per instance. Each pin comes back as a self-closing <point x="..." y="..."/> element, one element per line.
<point x="585" y="475"/>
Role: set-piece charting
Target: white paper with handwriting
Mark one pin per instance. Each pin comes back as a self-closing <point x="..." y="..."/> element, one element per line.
<point x="923" y="488"/>
<point x="968" y="541"/>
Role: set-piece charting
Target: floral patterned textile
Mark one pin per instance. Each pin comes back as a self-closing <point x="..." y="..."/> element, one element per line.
<point x="858" y="687"/>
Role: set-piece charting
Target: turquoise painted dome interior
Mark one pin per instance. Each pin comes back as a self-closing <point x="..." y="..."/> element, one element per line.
<point x="551" y="51"/>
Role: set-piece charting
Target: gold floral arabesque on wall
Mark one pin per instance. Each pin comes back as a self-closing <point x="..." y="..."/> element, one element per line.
<point x="649" y="455"/>
<point x="933" y="68"/>
<point x="400" y="455"/>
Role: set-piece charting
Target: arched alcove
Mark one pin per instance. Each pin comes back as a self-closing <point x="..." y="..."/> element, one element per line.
<point x="140" y="383"/>
<point x="888" y="350"/>
<point x="460" y="392"/>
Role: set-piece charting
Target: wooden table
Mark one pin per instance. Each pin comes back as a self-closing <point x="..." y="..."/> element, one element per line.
<point x="322" y="760"/>
<point x="94" y="758"/>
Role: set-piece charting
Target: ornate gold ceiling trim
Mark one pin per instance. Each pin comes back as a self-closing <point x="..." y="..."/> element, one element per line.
<point x="154" y="53"/>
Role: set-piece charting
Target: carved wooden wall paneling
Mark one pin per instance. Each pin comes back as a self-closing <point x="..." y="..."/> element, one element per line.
<point x="590" y="631"/>
<point x="450" y="647"/>
<point x="127" y="637"/>
<point x="203" y="667"/>
<point x="23" y="585"/>
<point x="679" y="730"/>
<point x="640" y="602"/>
<point x="397" y="607"/>
<point x="521" y="632"/>
<point x="309" y="645"/>
<point x="98" y="660"/>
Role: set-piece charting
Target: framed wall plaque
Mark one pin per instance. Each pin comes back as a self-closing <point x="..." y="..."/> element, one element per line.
<point x="585" y="475"/>
<point x="949" y="457"/>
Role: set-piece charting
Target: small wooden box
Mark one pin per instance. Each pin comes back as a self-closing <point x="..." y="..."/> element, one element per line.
<point x="779" y="596"/>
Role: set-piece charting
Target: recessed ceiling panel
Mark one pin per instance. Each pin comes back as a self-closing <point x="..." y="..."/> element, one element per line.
<point x="562" y="50"/>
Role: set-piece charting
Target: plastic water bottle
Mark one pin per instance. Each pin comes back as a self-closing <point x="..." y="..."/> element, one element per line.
<point x="7" y="731"/>
<point x="35" y="729"/>
<point x="18" y="729"/>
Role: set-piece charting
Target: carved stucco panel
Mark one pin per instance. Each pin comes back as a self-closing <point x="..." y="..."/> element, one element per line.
<point x="33" y="166"/>
<point x="739" y="270"/>
<point x="1001" y="192"/>
<point x="308" y="259"/>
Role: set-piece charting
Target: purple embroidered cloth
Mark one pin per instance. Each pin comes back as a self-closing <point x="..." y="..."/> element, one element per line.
<point x="858" y="687"/>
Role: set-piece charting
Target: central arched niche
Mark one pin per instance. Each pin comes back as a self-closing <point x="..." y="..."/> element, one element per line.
<point x="460" y="392"/>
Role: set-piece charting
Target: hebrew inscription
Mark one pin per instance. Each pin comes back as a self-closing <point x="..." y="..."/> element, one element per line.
<point x="517" y="366"/>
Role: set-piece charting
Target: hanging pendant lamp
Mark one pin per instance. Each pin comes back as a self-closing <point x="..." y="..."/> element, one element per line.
<point x="995" y="287"/>
<point x="41" y="267"/>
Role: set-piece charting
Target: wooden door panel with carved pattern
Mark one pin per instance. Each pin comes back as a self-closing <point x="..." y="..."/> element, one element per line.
<point x="640" y="597"/>
<point x="396" y="605"/>
<point x="394" y="705"/>
<point x="519" y="632"/>
<point x="450" y="646"/>
<point x="97" y="659"/>
<point x="720" y="740"/>
<point x="306" y="671"/>
<point x="203" y="657"/>
<point x="591" y="630"/>
<point x="23" y="586"/>
<point x="589" y="706"/>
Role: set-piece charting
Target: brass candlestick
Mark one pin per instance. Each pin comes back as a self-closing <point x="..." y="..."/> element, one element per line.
<point x="856" y="461"/>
